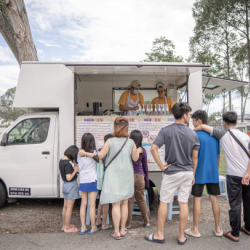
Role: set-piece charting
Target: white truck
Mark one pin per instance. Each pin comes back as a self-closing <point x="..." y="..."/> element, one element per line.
<point x="59" y="98"/>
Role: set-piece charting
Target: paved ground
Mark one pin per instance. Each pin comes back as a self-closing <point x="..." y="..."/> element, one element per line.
<point x="133" y="240"/>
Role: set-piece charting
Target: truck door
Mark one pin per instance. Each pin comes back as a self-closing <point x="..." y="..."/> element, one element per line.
<point x="27" y="160"/>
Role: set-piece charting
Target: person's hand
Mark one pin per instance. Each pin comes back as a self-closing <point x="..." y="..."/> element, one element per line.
<point x="140" y="150"/>
<point x="81" y="152"/>
<point x="135" y="108"/>
<point x="198" y="128"/>
<point x="245" y="179"/>
<point x="166" y="167"/>
<point x="193" y="181"/>
<point x="76" y="168"/>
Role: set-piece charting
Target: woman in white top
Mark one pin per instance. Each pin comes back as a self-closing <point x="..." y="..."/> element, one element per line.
<point x="88" y="183"/>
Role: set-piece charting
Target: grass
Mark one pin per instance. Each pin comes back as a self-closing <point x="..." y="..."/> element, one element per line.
<point x="222" y="167"/>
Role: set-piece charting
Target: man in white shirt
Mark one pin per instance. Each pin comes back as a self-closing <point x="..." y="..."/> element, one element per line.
<point x="238" y="171"/>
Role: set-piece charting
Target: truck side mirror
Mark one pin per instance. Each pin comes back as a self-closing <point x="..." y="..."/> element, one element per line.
<point x="4" y="140"/>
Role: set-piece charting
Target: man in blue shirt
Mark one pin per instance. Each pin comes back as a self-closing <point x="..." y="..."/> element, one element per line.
<point x="207" y="173"/>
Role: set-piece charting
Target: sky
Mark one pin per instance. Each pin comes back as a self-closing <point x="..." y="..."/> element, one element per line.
<point x="98" y="30"/>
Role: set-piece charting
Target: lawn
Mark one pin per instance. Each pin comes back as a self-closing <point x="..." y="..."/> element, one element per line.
<point x="222" y="167"/>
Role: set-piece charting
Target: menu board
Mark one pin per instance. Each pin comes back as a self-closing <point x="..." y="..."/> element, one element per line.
<point x="150" y="126"/>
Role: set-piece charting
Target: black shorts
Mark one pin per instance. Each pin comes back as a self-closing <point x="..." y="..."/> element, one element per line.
<point x="212" y="189"/>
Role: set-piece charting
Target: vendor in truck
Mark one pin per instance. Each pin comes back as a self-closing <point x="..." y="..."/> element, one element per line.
<point x="162" y="98"/>
<point x="130" y="99"/>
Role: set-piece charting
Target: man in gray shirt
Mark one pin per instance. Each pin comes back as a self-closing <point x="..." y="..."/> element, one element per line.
<point x="181" y="155"/>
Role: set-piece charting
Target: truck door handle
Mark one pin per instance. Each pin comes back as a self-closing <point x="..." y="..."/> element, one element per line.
<point x="45" y="152"/>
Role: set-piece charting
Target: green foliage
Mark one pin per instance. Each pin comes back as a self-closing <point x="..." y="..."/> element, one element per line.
<point x="163" y="50"/>
<point x="7" y="112"/>
<point x="215" y="118"/>
<point x="207" y="99"/>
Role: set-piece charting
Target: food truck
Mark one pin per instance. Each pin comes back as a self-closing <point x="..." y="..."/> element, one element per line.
<point x="64" y="100"/>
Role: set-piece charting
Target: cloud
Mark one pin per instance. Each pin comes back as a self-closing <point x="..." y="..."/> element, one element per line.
<point x="8" y="77"/>
<point x="6" y="55"/>
<point x="49" y="43"/>
<point x="113" y="30"/>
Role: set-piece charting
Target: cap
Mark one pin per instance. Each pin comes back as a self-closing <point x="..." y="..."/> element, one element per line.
<point x="160" y="85"/>
<point x="135" y="84"/>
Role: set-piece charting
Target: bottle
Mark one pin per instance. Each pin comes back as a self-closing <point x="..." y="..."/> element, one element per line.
<point x="151" y="109"/>
<point x="139" y="110"/>
<point x="156" y="107"/>
<point x="148" y="110"/>
<point x="143" y="109"/>
<point x="166" y="111"/>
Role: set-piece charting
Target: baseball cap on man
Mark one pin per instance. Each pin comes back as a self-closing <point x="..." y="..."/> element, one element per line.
<point x="135" y="84"/>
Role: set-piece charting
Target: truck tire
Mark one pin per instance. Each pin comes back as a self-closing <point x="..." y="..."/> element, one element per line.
<point x="3" y="195"/>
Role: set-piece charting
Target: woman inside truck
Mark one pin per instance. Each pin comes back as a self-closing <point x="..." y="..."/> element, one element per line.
<point x="162" y="98"/>
<point x="118" y="184"/>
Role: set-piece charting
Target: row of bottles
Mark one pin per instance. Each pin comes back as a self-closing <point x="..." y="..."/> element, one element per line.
<point x="160" y="109"/>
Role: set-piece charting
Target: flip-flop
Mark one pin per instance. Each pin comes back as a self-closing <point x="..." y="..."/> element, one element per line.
<point x="89" y="232"/>
<point x="108" y="228"/>
<point x="115" y="236"/>
<point x="243" y="229"/>
<point x="146" y="226"/>
<point x="152" y="239"/>
<point x="82" y="233"/>
<point x="226" y="234"/>
<point x="71" y="230"/>
<point x="99" y="226"/>
<point x="220" y="234"/>
<point x="182" y="243"/>
<point x="190" y="233"/>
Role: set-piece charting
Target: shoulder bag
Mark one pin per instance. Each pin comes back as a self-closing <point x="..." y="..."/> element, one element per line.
<point x="100" y="168"/>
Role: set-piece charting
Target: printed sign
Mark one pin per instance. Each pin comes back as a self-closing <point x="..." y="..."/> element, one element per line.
<point x="19" y="191"/>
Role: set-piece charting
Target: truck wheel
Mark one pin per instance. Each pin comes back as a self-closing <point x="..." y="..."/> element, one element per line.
<point x="2" y="194"/>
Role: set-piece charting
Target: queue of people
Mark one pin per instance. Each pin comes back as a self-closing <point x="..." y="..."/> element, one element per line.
<point x="192" y="159"/>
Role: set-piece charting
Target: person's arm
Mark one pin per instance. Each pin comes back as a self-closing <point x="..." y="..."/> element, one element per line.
<point x="156" y="156"/>
<point x="69" y="177"/>
<point x="124" y="108"/>
<point x="195" y="162"/>
<point x="215" y="132"/>
<point x="136" y="152"/>
<point x="246" y="177"/>
<point x="145" y="168"/>
<point x="101" y="154"/>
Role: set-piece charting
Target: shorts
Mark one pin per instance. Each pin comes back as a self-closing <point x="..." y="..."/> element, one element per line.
<point x="88" y="187"/>
<point x="212" y="189"/>
<point x="181" y="181"/>
<point x="70" y="190"/>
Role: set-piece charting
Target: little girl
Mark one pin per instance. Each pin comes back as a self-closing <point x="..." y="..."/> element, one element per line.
<point x="88" y="183"/>
<point x="69" y="188"/>
<point x="140" y="181"/>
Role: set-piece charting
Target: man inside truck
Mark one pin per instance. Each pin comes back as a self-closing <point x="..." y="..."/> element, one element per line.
<point x="162" y="98"/>
<point x="130" y="99"/>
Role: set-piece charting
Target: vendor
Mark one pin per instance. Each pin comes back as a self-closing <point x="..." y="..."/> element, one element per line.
<point x="130" y="99"/>
<point x="162" y="98"/>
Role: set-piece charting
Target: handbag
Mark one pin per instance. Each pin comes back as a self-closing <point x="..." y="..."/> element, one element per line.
<point x="100" y="168"/>
<point x="239" y="142"/>
<point x="100" y="175"/>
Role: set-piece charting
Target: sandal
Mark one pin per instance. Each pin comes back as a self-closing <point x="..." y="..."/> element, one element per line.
<point x="243" y="229"/>
<point x="115" y="236"/>
<point x="152" y="239"/>
<point x="71" y="225"/>
<point x="89" y="232"/>
<point x="226" y="234"/>
<point x="182" y="242"/>
<point x="122" y="235"/>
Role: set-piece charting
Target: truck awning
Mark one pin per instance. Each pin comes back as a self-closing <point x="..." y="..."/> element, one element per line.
<point x="216" y="85"/>
<point x="136" y="68"/>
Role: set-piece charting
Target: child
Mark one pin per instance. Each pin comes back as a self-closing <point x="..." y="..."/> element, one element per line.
<point x="141" y="181"/>
<point x="88" y="183"/>
<point x="103" y="209"/>
<point x="70" y="187"/>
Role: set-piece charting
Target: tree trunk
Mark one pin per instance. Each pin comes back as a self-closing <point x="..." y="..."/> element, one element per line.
<point x="14" y="26"/>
